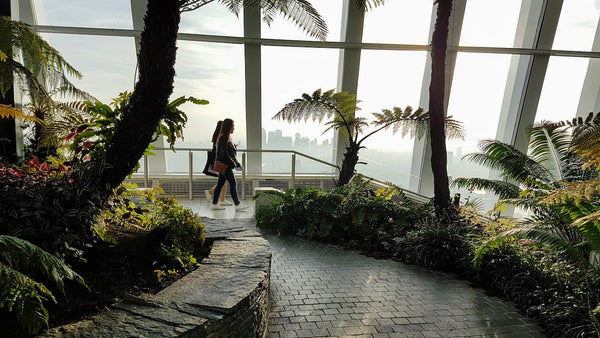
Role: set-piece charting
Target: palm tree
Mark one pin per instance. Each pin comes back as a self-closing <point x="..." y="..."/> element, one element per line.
<point x="439" y="161"/>
<point x="532" y="181"/>
<point x="340" y="108"/>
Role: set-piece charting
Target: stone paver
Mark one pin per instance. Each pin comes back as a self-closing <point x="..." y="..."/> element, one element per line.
<point x="321" y="290"/>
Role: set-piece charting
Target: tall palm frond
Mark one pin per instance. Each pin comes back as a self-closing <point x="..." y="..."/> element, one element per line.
<point x="301" y="12"/>
<point x="513" y="163"/>
<point x="20" y="293"/>
<point x="501" y="188"/>
<point x="549" y="146"/>
<point x="40" y="61"/>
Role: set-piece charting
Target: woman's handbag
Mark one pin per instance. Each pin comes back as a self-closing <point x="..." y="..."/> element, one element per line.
<point x="219" y="167"/>
<point x="208" y="167"/>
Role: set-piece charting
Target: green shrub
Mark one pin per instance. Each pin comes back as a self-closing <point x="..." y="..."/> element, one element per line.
<point x="350" y="215"/>
<point x="179" y="233"/>
<point x="558" y="294"/>
<point x="438" y="246"/>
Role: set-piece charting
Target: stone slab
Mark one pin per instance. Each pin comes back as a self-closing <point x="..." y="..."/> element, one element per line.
<point x="214" y="287"/>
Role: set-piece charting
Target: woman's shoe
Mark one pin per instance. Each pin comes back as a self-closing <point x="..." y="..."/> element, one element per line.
<point x="240" y="207"/>
<point x="216" y="207"/>
<point x="226" y="203"/>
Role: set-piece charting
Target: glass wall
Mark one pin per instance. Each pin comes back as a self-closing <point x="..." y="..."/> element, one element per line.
<point x="577" y="25"/>
<point x="562" y="88"/>
<point x="400" y="22"/>
<point x="388" y="79"/>
<point x="475" y="100"/>
<point x="84" y="13"/>
<point x="107" y="63"/>
<point x="482" y="29"/>
<point x="287" y="73"/>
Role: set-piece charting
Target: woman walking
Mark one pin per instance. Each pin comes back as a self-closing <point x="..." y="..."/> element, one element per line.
<point x="209" y="193"/>
<point x="226" y="153"/>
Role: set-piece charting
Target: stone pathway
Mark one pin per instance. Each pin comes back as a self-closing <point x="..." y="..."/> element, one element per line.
<point x="321" y="290"/>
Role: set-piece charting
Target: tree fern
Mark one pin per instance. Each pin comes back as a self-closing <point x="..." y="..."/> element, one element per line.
<point x="301" y="12"/>
<point x="21" y="294"/>
<point x="44" y="68"/>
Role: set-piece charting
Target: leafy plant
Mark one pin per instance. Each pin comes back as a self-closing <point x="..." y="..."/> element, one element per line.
<point x="20" y="294"/>
<point x="350" y="215"/>
<point x="528" y="181"/>
<point x="439" y="246"/>
<point x="339" y="109"/>
<point x="91" y="139"/>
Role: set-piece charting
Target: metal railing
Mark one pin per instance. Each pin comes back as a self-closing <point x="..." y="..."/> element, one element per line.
<point x="245" y="176"/>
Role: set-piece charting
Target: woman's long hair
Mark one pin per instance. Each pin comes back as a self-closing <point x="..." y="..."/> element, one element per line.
<point x="217" y="132"/>
<point x="226" y="127"/>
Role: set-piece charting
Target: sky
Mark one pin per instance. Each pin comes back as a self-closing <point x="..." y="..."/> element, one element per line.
<point x="387" y="78"/>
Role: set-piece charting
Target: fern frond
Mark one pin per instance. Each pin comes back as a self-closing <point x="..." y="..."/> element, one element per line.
<point x="7" y="111"/>
<point x="513" y="163"/>
<point x="413" y="123"/>
<point x="27" y="257"/>
<point x="367" y="5"/>
<point x="318" y="107"/>
<point x="501" y="188"/>
<point x="301" y="12"/>
<point x="42" y="60"/>
<point x="573" y="190"/>
<point x="24" y="297"/>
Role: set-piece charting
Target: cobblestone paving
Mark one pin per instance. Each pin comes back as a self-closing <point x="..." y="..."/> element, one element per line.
<point x="320" y="290"/>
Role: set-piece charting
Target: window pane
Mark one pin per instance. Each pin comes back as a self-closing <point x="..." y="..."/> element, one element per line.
<point x="577" y="25"/>
<point x="388" y="79"/>
<point x="475" y="100"/>
<point x="283" y="28"/>
<point x="84" y="13"/>
<point x="106" y="73"/>
<point x="402" y="22"/>
<point x="497" y="30"/>
<point x="286" y="75"/>
<point x="559" y="101"/>
<point x="214" y="72"/>
<point x="213" y="19"/>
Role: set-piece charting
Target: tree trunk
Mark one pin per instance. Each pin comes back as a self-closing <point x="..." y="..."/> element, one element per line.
<point x="348" y="165"/>
<point x="439" y="44"/>
<point x="150" y="97"/>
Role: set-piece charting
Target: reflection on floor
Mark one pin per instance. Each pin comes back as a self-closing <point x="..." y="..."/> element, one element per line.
<point x="201" y="206"/>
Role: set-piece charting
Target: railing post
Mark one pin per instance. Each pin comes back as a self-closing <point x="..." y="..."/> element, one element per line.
<point x="243" y="176"/>
<point x="293" y="180"/>
<point x="191" y="169"/>
<point x="146" y="172"/>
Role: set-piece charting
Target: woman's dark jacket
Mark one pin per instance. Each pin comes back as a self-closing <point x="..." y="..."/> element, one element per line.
<point x="226" y="152"/>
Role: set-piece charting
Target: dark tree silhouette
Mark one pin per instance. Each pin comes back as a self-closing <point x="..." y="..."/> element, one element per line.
<point x="439" y="44"/>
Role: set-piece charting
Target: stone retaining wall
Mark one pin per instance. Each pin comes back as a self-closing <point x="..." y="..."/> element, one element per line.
<point x="226" y="296"/>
